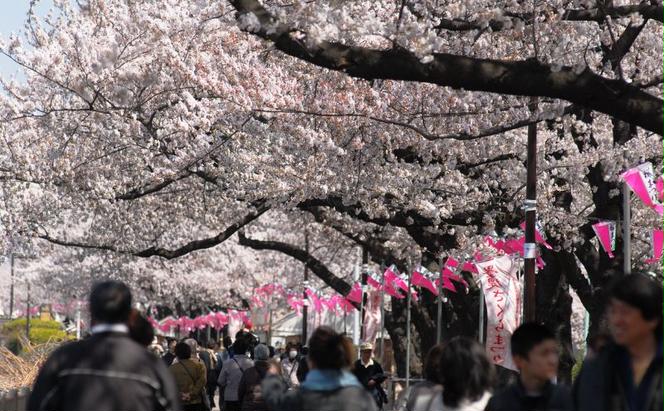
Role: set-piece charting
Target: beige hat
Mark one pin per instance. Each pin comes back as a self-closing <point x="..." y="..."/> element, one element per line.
<point x="365" y="346"/>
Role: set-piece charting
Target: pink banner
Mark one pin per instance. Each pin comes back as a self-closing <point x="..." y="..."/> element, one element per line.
<point x="355" y="294"/>
<point x="657" y="244"/>
<point x="503" y="296"/>
<point x="539" y="234"/>
<point x="424" y="278"/>
<point x="606" y="233"/>
<point x="374" y="281"/>
<point x="642" y="182"/>
<point x="314" y="299"/>
<point x="659" y="185"/>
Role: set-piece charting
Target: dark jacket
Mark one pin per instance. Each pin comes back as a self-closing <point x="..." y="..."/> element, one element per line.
<point x="372" y="372"/>
<point x="190" y="378"/>
<point x="599" y="387"/>
<point x="513" y="398"/>
<point x="302" y="369"/>
<point x="249" y="391"/>
<point x="105" y="372"/>
<point x="168" y="358"/>
<point x="279" y="398"/>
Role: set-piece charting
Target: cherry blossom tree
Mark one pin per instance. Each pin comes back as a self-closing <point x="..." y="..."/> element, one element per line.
<point x="170" y="146"/>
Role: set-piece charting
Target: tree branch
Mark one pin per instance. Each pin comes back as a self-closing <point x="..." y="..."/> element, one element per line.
<point x="525" y="78"/>
<point x="195" y="245"/>
<point x="315" y="265"/>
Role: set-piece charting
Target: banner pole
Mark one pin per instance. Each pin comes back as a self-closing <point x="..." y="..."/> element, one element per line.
<point x="408" y="319"/>
<point x="627" y="230"/>
<point x="382" y="315"/>
<point x="439" y="318"/>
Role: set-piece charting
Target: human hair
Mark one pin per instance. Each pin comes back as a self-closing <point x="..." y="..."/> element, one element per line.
<point x="227" y="342"/>
<point x="465" y="371"/>
<point x="183" y="351"/>
<point x="432" y="363"/>
<point x="193" y="344"/>
<point x="527" y="336"/>
<point x="261" y="352"/>
<point x="643" y="293"/>
<point x="140" y="329"/>
<point x="211" y="344"/>
<point x="110" y="302"/>
<point x="329" y="350"/>
<point x="241" y="344"/>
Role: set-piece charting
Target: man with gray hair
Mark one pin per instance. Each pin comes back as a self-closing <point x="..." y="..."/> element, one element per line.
<point x="249" y="391"/>
<point x="232" y="372"/>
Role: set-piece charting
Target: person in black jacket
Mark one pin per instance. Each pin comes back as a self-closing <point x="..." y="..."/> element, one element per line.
<point x="370" y="374"/>
<point x="535" y="353"/>
<point x="169" y="357"/>
<point x="108" y="371"/>
<point x="626" y="375"/>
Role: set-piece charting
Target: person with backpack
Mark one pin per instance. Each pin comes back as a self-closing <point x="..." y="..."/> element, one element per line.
<point x="249" y="391"/>
<point x="536" y="354"/>
<point x="328" y="386"/>
<point x="190" y="377"/>
<point x="232" y="372"/>
<point x="107" y="371"/>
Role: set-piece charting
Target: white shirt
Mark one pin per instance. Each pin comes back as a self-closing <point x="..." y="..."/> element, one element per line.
<point x="109" y="328"/>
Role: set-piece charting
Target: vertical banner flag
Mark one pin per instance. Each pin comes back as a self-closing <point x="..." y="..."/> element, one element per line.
<point x="641" y="180"/>
<point x="657" y="243"/>
<point x="372" y="317"/>
<point x="503" y="296"/>
<point x="606" y="233"/>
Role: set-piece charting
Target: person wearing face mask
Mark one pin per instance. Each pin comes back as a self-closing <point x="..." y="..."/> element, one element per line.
<point x="289" y="366"/>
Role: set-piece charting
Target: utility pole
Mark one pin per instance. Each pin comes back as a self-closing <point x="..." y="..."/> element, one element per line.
<point x="530" y="207"/>
<point x="11" y="287"/>
<point x="305" y="309"/>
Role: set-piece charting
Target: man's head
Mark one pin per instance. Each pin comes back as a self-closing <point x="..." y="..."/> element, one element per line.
<point x="635" y="309"/>
<point x="535" y="351"/>
<point x="171" y="346"/>
<point x="241" y="344"/>
<point x="193" y="344"/>
<point x="261" y="352"/>
<point x="182" y="351"/>
<point x="366" y="351"/>
<point x="227" y="342"/>
<point x="110" y="302"/>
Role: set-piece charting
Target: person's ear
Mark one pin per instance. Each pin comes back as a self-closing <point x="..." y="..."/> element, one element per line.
<point x="520" y="361"/>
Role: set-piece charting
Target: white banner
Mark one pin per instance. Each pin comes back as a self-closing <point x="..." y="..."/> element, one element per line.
<point x="372" y="316"/>
<point x="503" y="295"/>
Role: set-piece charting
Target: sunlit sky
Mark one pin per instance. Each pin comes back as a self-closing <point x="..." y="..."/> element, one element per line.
<point x="12" y="17"/>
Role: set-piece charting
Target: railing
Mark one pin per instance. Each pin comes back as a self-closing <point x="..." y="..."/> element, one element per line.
<point x="14" y="400"/>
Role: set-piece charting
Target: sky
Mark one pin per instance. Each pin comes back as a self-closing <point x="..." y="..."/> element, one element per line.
<point x="12" y="17"/>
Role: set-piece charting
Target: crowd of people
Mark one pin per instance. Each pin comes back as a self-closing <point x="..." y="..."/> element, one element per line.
<point x="113" y="369"/>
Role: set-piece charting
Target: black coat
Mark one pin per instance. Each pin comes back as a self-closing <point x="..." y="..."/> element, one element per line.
<point x="598" y="386"/>
<point x="106" y="372"/>
<point x="513" y="398"/>
<point x="372" y="372"/>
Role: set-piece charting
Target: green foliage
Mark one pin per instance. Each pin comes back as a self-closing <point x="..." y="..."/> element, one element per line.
<point x="41" y="331"/>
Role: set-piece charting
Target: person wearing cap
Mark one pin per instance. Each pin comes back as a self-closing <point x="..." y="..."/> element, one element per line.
<point x="370" y="373"/>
